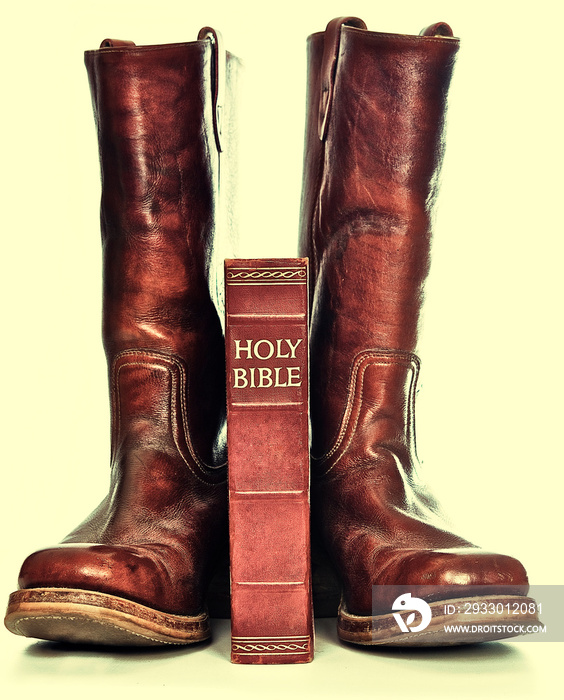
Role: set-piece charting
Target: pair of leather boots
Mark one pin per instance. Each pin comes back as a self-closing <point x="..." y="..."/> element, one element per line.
<point x="138" y="570"/>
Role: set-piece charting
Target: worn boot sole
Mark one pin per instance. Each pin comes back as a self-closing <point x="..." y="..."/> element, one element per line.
<point x="85" y="617"/>
<point x="472" y="628"/>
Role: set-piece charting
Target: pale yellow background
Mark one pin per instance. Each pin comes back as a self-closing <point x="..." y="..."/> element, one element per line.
<point x="489" y="413"/>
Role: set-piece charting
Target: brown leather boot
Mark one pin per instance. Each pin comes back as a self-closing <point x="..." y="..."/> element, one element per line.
<point x="374" y="144"/>
<point x="136" y="571"/>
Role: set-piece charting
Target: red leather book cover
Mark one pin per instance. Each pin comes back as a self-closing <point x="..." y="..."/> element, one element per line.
<point x="268" y="448"/>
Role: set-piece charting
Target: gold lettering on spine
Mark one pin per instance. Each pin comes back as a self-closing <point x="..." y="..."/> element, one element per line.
<point x="279" y="350"/>
<point x="265" y="374"/>
<point x="265" y="377"/>
<point x="270" y="351"/>
<point x="293" y="348"/>
<point x="239" y="349"/>
<point x="240" y="377"/>
<point x="277" y="381"/>
<point x="294" y="374"/>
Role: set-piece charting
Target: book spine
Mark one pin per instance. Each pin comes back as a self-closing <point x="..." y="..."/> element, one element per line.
<point x="268" y="451"/>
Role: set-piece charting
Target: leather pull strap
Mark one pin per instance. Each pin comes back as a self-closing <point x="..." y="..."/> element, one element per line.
<point x="329" y="67"/>
<point x="437" y="29"/>
<point x="115" y="43"/>
<point x="218" y="79"/>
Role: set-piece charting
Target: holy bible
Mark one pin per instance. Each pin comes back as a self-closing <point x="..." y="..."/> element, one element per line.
<point x="268" y="452"/>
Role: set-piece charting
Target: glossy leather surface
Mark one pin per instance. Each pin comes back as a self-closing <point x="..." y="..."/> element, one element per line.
<point x="155" y="537"/>
<point x="371" y="169"/>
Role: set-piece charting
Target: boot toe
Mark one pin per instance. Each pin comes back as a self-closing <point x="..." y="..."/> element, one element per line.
<point x="464" y="567"/>
<point x="456" y="573"/>
<point x="489" y="590"/>
<point x="127" y="572"/>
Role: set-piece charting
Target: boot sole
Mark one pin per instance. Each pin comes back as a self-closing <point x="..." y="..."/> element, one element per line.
<point x="384" y="630"/>
<point x="87" y="617"/>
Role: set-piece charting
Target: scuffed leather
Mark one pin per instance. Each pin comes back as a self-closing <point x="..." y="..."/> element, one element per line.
<point x="156" y="536"/>
<point x="370" y="184"/>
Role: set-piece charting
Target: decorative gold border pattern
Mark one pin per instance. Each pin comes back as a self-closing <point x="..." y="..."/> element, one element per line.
<point x="266" y="275"/>
<point x="270" y="645"/>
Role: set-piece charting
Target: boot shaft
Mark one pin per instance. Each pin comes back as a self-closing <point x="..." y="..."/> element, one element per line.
<point x="159" y="127"/>
<point x="373" y="154"/>
<point x="164" y="123"/>
<point x="374" y="148"/>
